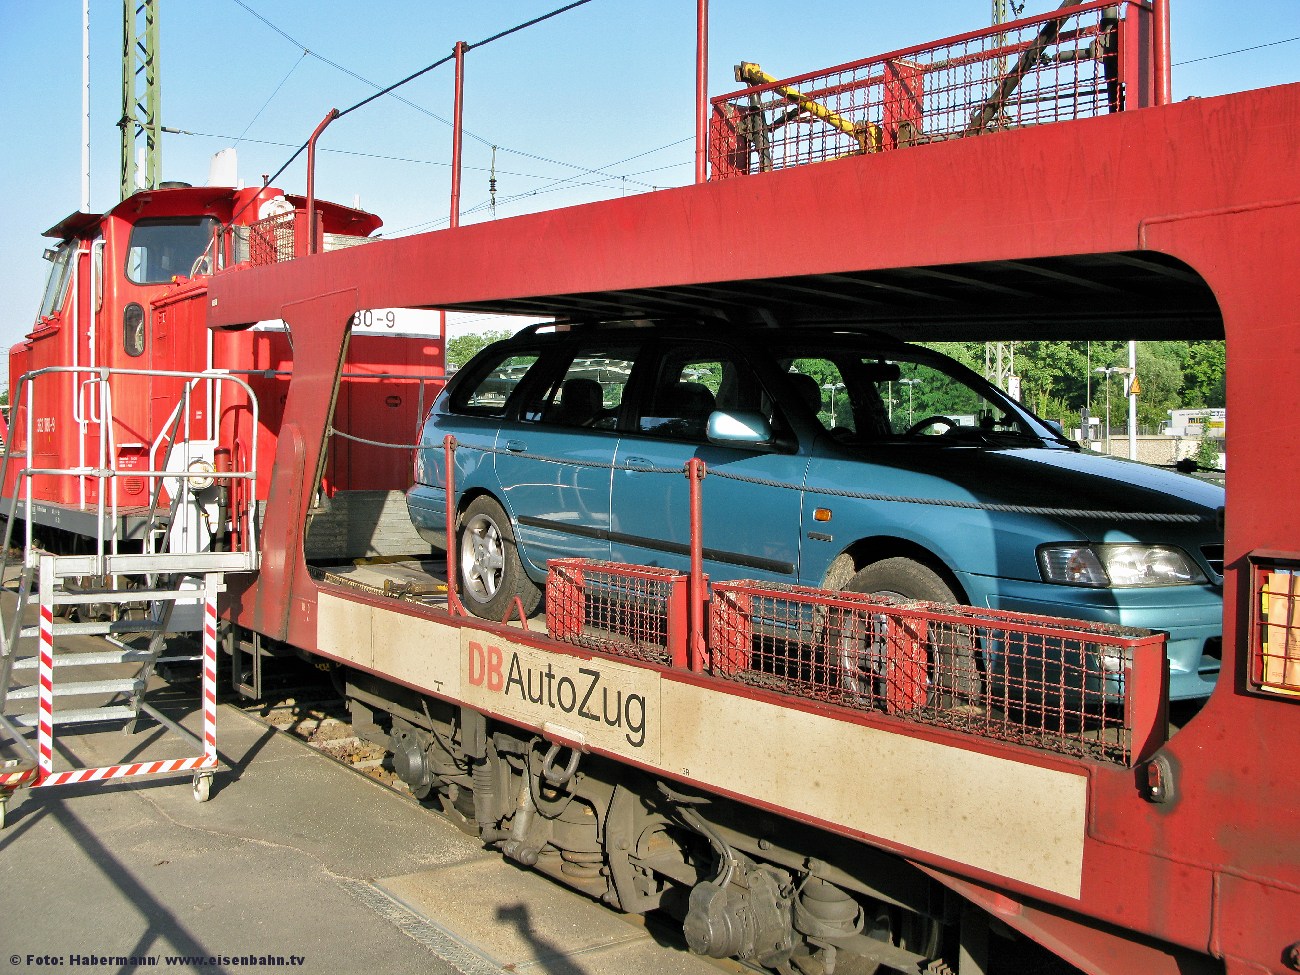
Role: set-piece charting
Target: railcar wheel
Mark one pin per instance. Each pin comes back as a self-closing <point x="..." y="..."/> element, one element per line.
<point x="952" y="673"/>
<point x="491" y="572"/>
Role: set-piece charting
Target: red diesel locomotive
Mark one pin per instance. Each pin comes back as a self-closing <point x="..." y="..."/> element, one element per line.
<point x="117" y="356"/>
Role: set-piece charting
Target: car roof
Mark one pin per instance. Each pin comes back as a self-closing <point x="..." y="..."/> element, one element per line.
<point x="707" y="328"/>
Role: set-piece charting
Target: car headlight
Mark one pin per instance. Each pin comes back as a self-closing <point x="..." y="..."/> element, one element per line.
<point x="1118" y="566"/>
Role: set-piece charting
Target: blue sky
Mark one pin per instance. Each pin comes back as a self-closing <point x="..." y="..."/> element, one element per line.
<point x="606" y="87"/>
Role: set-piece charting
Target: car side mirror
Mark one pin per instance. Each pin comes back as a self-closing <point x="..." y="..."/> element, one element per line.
<point x="740" y="427"/>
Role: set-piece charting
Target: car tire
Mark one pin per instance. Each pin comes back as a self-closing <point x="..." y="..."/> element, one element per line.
<point x="953" y="671"/>
<point x="490" y="571"/>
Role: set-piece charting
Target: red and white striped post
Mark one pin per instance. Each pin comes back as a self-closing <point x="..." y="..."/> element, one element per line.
<point x="210" y="674"/>
<point x="45" y="671"/>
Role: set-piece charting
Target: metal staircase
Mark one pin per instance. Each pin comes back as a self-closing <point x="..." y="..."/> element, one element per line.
<point x="52" y="675"/>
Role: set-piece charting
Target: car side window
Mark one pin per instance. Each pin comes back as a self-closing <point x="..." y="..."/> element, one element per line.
<point x="821" y="386"/>
<point x="491" y="391"/>
<point x="589" y="393"/>
<point x="690" y="384"/>
<point x="923" y="392"/>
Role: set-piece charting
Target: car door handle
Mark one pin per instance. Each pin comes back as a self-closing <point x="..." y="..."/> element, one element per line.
<point x="637" y="461"/>
<point x="516" y="446"/>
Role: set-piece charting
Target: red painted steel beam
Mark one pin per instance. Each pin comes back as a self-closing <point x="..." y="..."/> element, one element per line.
<point x="311" y="178"/>
<point x="457" y="131"/>
<point x="1160" y="42"/>
<point x="280" y="601"/>
<point x="1070" y="188"/>
<point x="701" y="91"/>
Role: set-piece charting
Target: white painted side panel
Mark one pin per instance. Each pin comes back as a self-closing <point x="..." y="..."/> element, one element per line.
<point x="1005" y="817"/>
<point x="343" y="630"/>
<point x="420" y="652"/>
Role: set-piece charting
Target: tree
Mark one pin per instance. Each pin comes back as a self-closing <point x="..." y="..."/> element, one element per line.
<point x="1054" y="375"/>
<point x="1160" y="369"/>
<point x="1204" y="375"/>
<point x="1207" y="454"/>
<point x="462" y="348"/>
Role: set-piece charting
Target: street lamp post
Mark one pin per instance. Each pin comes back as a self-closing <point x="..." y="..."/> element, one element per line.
<point x="831" y="389"/>
<point x="1087" y="408"/>
<point x="910" y="384"/>
<point x="1107" y="370"/>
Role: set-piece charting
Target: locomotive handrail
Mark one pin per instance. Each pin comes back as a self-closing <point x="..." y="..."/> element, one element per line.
<point x="277" y="373"/>
<point x="106" y="471"/>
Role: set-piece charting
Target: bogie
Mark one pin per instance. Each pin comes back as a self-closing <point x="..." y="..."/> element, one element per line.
<point x="748" y="885"/>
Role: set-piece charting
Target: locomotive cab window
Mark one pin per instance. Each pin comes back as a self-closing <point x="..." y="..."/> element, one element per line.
<point x="56" y="285"/>
<point x="133" y="329"/>
<point x="160" y="250"/>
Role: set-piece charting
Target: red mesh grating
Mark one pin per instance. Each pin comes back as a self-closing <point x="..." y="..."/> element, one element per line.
<point x="1275" y="642"/>
<point x="625" y="610"/>
<point x="1068" y="65"/>
<point x="1077" y="688"/>
<point x="271" y="240"/>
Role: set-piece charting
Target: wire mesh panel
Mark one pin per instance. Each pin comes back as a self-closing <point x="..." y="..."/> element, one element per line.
<point x="271" y="239"/>
<point x="1275" y="642"/>
<point x="1088" y="60"/>
<point x="1077" y="688"/>
<point x="625" y="610"/>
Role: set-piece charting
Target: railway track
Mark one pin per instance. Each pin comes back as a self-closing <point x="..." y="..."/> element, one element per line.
<point x="307" y="707"/>
<point x="321" y="721"/>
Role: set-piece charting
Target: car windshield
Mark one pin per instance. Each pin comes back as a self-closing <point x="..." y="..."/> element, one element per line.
<point x="908" y="395"/>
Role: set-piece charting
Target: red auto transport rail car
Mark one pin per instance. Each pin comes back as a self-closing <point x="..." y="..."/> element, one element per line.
<point x="774" y="765"/>
<point x="124" y="374"/>
<point x="661" y="745"/>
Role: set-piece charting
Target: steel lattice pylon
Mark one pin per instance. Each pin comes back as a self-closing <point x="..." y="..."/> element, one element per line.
<point x="141" y="122"/>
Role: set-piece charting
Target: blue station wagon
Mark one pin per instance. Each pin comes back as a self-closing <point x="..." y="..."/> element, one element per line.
<point x="836" y="458"/>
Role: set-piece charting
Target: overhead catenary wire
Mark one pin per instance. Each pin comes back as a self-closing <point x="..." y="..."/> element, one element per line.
<point x="389" y="90"/>
<point x="334" y="64"/>
<point x="1240" y="50"/>
<point x="485" y="204"/>
<point x="385" y="157"/>
<point x="469" y="47"/>
<point x="567" y="183"/>
<point x="271" y="97"/>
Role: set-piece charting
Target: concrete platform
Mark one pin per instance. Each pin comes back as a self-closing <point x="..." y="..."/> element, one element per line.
<point x="295" y="863"/>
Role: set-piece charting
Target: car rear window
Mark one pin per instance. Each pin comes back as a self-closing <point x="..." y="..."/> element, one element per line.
<point x="495" y="382"/>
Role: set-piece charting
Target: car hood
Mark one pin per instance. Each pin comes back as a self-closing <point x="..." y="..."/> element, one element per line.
<point x="1042" y="477"/>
